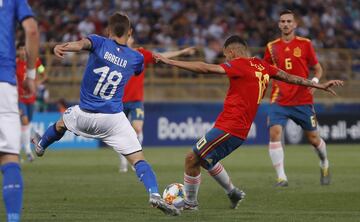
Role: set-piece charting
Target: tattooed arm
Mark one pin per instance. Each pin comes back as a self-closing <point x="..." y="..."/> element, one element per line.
<point x="83" y="44"/>
<point x="292" y="79"/>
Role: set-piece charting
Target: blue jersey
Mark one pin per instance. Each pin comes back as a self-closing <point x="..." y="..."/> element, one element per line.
<point x="11" y="12"/>
<point x="109" y="67"/>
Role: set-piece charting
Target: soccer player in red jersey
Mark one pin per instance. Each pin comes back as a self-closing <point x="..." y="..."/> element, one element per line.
<point x="26" y="101"/>
<point x="133" y="99"/>
<point x="295" y="55"/>
<point x="248" y="78"/>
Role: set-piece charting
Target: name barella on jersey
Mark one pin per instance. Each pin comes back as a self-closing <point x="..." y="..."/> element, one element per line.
<point x="11" y="11"/>
<point x="134" y="89"/>
<point x="249" y="78"/>
<point x="109" y="67"/>
<point x="295" y="57"/>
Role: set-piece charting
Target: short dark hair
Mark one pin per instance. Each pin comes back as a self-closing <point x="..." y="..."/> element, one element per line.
<point x="287" y="11"/>
<point x="20" y="44"/>
<point x="235" y="39"/>
<point x="119" y="24"/>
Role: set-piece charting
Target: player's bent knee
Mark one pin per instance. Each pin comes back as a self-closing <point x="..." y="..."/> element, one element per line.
<point x="138" y="130"/>
<point x="275" y="133"/>
<point x="135" y="157"/>
<point x="24" y="121"/>
<point x="8" y="158"/>
<point x="192" y="164"/>
<point x="314" y="139"/>
<point x="138" y="126"/>
<point x="60" y="126"/>
<point x="191" y="159"/>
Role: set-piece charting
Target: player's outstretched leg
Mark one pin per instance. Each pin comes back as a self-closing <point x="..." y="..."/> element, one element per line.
<point x="192" y="180"/>
<point x="276" y="153"/>
<point x="191" y="187"/>
<point x="35" y="139"/>
<point x="157" y="202"/>
<point x="235" y="195"/>
<point x="325" y="177"/>
<point x="25" y="141"/>
<point x="148" y="178"/>
<point x="320" y="149"/>
<point x="123" y="163"/>
<point x="54" y="133"/>
<point x="12" y="190"/>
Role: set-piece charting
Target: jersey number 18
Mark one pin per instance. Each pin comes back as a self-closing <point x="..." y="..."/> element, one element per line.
<point x="101" y="86"/>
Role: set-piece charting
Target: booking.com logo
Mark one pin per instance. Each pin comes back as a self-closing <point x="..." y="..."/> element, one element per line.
<point x="192" y="128"/>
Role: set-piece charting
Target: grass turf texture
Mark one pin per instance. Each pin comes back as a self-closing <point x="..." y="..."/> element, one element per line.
<point x="86" y="186"/>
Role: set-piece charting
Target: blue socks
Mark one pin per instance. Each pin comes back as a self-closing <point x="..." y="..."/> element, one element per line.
<point x="50" y="136"/>
<point x="12" y="190"/>
<point x="146" y="176"/>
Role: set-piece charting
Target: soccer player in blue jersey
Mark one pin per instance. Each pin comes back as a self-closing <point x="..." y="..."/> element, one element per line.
<point x="100" y="113"/>
<point x="12" y="12"/>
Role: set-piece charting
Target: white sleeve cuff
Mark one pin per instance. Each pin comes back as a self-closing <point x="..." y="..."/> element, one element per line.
<point x="315" y="80"/>
<point x="31" y="73"/>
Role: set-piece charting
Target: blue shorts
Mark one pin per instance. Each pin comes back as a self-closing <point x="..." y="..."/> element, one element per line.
<point x="215" y="146"/>
<point x="134" y="110"/>
<point x="26" y="110"/>
<point x="303" y="115"/>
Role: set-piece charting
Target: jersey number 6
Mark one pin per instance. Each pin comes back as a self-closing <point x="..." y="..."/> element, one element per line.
<point x="101" y="87"/>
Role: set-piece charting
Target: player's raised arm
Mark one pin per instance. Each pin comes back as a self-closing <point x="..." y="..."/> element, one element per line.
<point x="285" y="77"/>
<point x="195" y="66"/>
<point x="32" y="53"/>
<point x="31" y="41"/>
<point x="83" y="44"/>
<point x="186" y="51"/>
<point x="318" y="72"/>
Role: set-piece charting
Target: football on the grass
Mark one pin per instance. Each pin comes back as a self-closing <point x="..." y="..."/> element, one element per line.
<point x="174" y="194"/>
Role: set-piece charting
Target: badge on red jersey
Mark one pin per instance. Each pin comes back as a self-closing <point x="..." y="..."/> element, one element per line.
<point x="297" y="52"/>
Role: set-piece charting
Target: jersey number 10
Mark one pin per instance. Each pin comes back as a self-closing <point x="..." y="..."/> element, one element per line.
<point x="263" y="81"/>
<point x="101" y="86"/>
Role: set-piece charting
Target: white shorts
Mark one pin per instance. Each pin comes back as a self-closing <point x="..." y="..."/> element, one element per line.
<point x="10" y="130"/>
<point x="113" y="129"/>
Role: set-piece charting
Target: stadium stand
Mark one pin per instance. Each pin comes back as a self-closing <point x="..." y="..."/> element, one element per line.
<point x="160" y="25"/>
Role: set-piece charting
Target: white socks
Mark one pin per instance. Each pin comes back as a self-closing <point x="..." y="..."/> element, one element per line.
<point x="25" y="138"/>
<point x="221" y="176"/>
<point x="321" y="152"/>
<point x="123" y="163"/>
<point x="277" y="157"/>
<point x="191" y="186"/>
<point x="276" y="153"/>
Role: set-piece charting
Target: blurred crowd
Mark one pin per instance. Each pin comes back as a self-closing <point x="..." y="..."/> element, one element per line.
<point x="329" y="23"/>
<point x="173" y="24"/>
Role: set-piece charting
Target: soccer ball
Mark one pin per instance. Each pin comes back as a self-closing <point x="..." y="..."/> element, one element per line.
<point x="174" y="194"/>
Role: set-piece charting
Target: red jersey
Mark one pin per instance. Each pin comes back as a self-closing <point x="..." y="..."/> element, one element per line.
<point x="249" y="78"/>
<point x="20" y="76"/>
<point x="294" y="57"/>
<point x="134" y="89"/>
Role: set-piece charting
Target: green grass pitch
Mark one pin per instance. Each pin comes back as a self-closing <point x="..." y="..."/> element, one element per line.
<point x="86" y="186"/>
